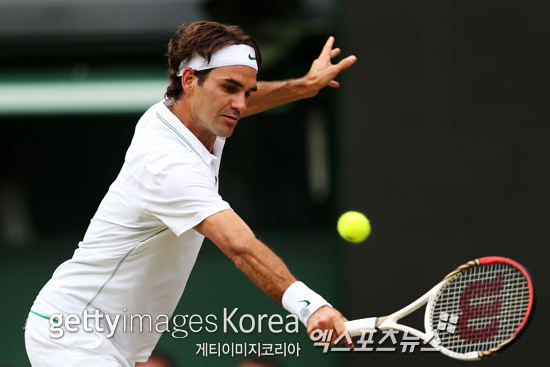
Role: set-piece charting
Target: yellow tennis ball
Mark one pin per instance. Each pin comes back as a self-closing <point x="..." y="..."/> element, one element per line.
<point x="354" y="227"/>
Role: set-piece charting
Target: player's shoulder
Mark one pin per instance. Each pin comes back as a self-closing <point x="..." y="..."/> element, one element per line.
<point x="163" y="153"/>
<point x="160" y="134"/>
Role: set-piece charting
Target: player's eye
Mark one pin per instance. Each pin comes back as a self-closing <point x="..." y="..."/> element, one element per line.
<point x="229" y="88"/>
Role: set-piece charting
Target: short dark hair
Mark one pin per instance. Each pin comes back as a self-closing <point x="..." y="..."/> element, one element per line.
<point x="204" y="38"/>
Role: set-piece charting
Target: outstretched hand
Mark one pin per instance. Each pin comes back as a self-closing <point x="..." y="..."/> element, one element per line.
<point x="323" y="72"/>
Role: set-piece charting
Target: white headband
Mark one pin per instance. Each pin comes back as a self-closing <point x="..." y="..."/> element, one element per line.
<point x="230" y="55"/>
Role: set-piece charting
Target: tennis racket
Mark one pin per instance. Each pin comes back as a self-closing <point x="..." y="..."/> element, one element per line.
<point x="473" y="313"/>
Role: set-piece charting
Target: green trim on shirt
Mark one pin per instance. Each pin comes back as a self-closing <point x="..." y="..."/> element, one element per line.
<point x="45" y="317"/>
<point x="181" y="136"/>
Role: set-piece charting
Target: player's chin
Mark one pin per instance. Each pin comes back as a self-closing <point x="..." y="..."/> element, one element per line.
<point x="226" y="131"/>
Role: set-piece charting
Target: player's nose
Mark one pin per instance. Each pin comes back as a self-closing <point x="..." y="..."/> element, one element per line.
<point x="239" y="102"/>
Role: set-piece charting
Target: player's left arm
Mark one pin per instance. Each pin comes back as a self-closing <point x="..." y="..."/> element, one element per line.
<point x="321" y="74"/>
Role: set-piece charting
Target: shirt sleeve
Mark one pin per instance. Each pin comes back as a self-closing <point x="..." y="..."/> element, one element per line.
<point x="183" y="194"/>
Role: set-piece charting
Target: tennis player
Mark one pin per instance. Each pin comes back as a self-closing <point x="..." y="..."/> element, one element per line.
<point x="140" y="247"/>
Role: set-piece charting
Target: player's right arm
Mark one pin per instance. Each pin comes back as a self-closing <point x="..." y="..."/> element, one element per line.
<point x="233" y="236"/>
<point x="262" y="266"/>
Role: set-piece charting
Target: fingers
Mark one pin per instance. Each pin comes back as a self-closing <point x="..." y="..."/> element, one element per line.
<point x="332" y="53"/>
<point x="328" y="47"/>
<point x="323" y="72"/>
<point x="347" y="62"/>
<point x="329" y="319"/>
<point x="340" y="329"/>
<point x="343" y="64"/>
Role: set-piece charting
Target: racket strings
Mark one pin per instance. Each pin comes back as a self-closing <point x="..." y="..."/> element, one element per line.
<point x="481" y="307"/>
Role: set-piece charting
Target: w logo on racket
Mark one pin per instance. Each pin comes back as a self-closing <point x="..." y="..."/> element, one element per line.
<point x="489" y="300"/>
<point x="478" y="305"/>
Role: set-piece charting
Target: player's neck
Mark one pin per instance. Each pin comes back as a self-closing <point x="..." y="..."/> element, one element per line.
<point x="180" y="109"/>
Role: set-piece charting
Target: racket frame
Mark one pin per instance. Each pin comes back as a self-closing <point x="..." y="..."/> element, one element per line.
<point x="374" y="324"/>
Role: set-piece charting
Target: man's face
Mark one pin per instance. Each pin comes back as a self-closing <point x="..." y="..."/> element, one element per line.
<point x="217" y="104"/>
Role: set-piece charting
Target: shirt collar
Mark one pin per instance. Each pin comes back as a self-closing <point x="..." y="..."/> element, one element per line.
<point x="177" y="127"/>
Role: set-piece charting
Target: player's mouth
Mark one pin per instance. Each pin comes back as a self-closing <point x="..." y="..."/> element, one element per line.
<point x="232" y="119"/>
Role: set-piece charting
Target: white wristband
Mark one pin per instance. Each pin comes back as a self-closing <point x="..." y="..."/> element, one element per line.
<point x="302" y="301"/>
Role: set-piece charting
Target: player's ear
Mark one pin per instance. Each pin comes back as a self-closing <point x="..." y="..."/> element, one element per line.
<point x="188" y="80"/>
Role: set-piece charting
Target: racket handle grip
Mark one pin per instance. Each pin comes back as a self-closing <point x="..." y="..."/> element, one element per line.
<point x="357" y="327"/>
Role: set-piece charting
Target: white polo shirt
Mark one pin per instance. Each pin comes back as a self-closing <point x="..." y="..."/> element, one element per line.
<point x="140" y="247"/>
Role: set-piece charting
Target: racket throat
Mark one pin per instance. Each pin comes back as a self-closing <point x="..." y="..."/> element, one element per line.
<point x="367" y="325"/>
